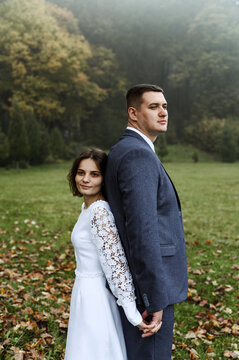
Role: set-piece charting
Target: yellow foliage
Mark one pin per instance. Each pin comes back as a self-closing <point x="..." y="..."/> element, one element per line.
<point x="82" y="77"/>
<point x="44" y="59"/>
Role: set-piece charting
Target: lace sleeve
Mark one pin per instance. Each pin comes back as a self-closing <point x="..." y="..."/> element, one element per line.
<point x="111" y="253"/>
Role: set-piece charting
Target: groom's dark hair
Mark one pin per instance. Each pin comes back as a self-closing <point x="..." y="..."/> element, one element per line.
<point x="134" y="94"/>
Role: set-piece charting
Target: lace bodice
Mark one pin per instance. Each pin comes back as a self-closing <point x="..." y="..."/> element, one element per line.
<point x="98" y="250"/>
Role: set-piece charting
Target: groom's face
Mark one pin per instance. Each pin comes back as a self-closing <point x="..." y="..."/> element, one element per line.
<point x="152" y="114"/>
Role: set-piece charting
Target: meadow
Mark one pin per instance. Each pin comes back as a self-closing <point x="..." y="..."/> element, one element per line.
<point x="37" y="213"/>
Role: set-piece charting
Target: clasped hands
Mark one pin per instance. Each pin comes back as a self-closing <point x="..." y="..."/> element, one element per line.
<point x="150" y="328"/>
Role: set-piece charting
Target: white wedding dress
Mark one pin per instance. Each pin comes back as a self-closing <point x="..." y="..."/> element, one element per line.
<point x="94" y="329"/>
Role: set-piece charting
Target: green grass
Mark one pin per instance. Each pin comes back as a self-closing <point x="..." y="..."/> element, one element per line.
<point x="209" y="194"/>
<point x="37" y="213"/>
<point x="184" y="153"/>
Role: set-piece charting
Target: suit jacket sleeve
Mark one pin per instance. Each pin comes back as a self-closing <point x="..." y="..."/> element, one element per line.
<point x="139" y="183"/>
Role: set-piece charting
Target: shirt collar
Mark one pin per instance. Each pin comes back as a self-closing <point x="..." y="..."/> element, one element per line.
<point x="143" y="136"/>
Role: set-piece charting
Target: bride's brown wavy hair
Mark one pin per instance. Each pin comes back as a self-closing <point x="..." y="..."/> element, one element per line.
<point x="100" y="159"/>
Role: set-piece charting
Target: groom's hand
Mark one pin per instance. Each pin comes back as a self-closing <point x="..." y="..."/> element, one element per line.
<point x="155" y="322"/>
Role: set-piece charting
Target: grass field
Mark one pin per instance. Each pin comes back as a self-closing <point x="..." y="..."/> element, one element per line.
<point x="37" y="213"/>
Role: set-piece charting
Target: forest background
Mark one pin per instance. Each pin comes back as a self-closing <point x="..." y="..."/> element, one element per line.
<point x="65" y="67"/>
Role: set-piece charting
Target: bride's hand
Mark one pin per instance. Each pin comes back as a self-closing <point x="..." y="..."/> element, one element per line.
<point x="148" y="329"/>
<point x="144" y="326"/>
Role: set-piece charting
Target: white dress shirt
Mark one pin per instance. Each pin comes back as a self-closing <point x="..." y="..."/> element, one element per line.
<point x="143" y="136"/>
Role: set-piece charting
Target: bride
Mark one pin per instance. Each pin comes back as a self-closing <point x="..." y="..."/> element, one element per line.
<point x="94" y="329"/>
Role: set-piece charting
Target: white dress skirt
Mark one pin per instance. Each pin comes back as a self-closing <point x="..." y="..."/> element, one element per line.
<point x="94" y="328"/>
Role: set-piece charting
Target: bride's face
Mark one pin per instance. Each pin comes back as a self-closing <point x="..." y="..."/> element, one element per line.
<point x="89" y="178"/>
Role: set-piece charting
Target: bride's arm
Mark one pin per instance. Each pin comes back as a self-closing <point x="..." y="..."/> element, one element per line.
<point x="113" y="261"/>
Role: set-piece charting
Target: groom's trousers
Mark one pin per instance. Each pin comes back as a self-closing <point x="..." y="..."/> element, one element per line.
<point x="155" y="347"/>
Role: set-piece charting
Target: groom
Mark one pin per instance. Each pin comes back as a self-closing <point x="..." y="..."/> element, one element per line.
<point x="148" y="215"/>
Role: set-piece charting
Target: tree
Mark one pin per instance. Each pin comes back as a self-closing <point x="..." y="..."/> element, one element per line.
<point x="227" y="146"/>
<point x="4" y="148"/>
<point x="43" y="64"/>
<point x="195" y="157"/>
<point x="76" y="82"/>
<point x="45" y="144"/>
<point x="206" y="69"/>
<point x="188" y="47"/>
<point x="161" y="146"/>
<point x="58" y="148"/>
<point x="205" y="134"/>
<point x="18" y="139"/>
<point x="106" y="122"/>
<point x="34" y="137"/>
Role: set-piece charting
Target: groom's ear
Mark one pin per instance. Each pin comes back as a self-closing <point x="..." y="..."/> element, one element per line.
<point x="132" y="112"/>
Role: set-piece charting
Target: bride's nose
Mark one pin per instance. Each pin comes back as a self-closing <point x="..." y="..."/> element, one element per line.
<point x="86" y="178"/>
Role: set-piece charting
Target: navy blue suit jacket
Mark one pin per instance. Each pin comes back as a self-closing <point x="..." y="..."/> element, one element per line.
<point x="148" y="215"/>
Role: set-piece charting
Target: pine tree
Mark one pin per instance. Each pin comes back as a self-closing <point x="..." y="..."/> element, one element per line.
<point x="161" y="147"/>
<point x="195" y="157"/>
<point x="44" y="144"/>
<point x="18" y="139"/>
<point x="227" y="146"/>
<point x="58" y="147"/>
<point x="4" y="148"/>
<point x="34" y="137"/>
